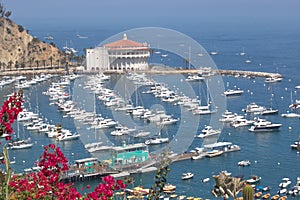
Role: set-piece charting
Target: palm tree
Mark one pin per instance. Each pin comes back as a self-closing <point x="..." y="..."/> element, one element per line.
<point x="51" y="59"/>
<point x="10" y="63"/>
<point x="37" y="64"/>
<point x="58" y="62"/>
<point x="30" y="62"/>
<point x="16" y="65"/>
<point x="44" y="63"/>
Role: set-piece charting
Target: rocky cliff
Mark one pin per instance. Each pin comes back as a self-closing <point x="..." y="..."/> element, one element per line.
<point x="19" y="50"/>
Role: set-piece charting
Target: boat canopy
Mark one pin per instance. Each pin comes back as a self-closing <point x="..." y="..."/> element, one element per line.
<point x="217" y="144"/>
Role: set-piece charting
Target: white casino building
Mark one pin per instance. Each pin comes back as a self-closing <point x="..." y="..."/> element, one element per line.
<point x="121" y="55"/>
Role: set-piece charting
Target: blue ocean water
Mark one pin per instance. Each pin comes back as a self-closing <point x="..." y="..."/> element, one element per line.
<point x="270" y="49"/>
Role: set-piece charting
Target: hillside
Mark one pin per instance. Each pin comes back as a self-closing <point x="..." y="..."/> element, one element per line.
<point x="20" y="50"/>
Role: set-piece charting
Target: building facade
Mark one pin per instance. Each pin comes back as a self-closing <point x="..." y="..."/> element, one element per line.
<point x="121" y="55"/>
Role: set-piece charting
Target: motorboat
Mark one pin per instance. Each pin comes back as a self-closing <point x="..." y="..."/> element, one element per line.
<point x="295" y="145"/>
<point x="196" y="77"/>
<point x="269" y="111"/>
<point x="273" y="79"/>
<point x="254" y="179"/>
<point x="121" y="130"/>
<point x="208" y="131"/>
<point x="248" y="61"/>
<point x="168" y="121"/>
<point x="198" y="156"/>
<point x="266" y="196"/>
<point x="187" y="175"/>
<point x="253" y="108"/>
<point x="214" y="153"/>
<point x="142" y="134"/>
<point x="67" y="136"/>
<point x="262" y="125"/>
<point x="240" y="122"/>
<point x="19" y="144"/>
<point x="231" y="92"/>
<point x="290" y="115"/>
<point x="158" y="140"/>
<point x="228" y="116"/>
<point x="244" y="163"/>
<point x="285" y="183"/>
<point x="169" y="188"/>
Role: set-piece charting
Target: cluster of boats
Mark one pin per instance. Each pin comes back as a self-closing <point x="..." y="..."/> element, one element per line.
<point x="21" y="82"/>
<point x="213" y="150"/>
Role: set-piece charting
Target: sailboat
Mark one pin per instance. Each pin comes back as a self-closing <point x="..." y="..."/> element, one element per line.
<point x="17" y="143"/>
<point x="269" y="111"/>
<point x="205" y="109"/>
<point x="243" y="52"/>
<point x="157" y="139"/>
<point x="292" y="106"/>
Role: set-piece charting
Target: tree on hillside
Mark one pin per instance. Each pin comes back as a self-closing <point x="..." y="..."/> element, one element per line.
<point x="10" y="63"/>
<point x="51" y="60"/>
<point x="37" y="64"/>
<point x="44" y="63"/>
<point x="3" y="12"/>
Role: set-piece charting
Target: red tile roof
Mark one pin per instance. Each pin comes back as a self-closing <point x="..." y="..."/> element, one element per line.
<point x="124" y="44"/>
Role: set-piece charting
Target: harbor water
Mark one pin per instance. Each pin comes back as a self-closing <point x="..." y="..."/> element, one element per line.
<point x="269" y="152"/>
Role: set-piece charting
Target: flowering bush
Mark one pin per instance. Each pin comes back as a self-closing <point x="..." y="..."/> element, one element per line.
<point x="46" y="183"/>
<point x="9" y="112"/>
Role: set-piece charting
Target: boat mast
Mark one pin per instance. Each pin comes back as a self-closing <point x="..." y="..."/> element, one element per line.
<point x="189" y="57"/>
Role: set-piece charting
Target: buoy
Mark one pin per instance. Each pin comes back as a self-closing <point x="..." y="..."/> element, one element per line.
<point x="290" y="128"/>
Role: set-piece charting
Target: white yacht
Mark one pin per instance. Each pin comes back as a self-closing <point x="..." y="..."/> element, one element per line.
<point x="241" y="121"/>
<point x="231" y="92"/>
<point x="248" y="61"/>
<point x="187" y="175"/>
<point x="157" y="140"/>
<point x="142" y="134"/>
<point x="290" y="115"/>
<point x="273" y="79"/>
<point x="195" y="77"/>
<point x="254" y="108"/>
<point x="262" y="125"/>
<point x="19" y="144"/>
<point x="67" y="136"/>
<point x="208" y="131"/>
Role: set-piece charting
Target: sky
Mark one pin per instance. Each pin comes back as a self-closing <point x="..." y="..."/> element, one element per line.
<point x="153" y="12"/>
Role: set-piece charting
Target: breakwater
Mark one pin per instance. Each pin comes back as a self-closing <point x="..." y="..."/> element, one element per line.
<point x="165" y="70"/>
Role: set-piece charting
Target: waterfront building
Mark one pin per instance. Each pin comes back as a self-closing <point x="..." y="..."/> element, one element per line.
<point x="129" y="156"/>
<point x="121" y="55"/>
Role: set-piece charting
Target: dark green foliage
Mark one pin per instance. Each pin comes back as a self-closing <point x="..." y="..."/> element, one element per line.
<point x="248" y="193"/>
<point x="20" y="28"/>
<point x="7" y="14"/>
<point x="8" y="31"/>
<point x="160" y="178"/>
<point x="3" y="12"/>
<point x="35" y="39"/>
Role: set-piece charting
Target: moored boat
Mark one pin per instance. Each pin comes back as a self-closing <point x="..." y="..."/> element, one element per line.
<point x="235" y="92"/>
<point x="187" y="175"/>
<point x="254" y="179"/>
